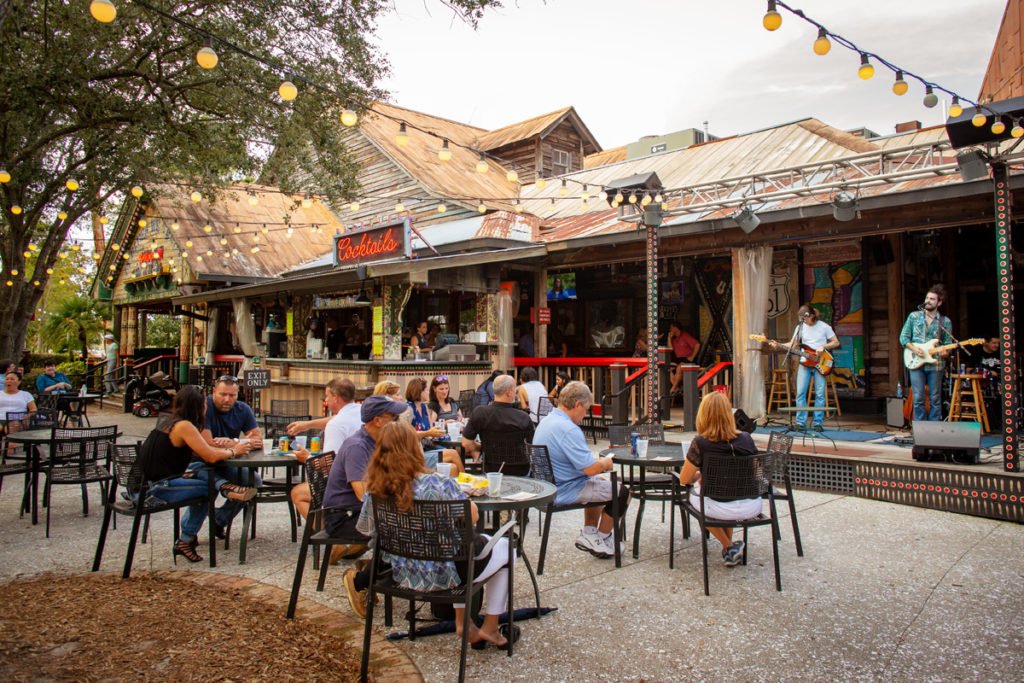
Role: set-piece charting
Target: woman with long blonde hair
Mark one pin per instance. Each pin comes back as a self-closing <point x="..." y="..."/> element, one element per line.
<point x="397" y="471"/>
<point x="716" y="434"/>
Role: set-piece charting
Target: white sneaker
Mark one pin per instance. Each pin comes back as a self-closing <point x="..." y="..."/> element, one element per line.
<point x="592" y="543"/>
<point x="608" y="546"/>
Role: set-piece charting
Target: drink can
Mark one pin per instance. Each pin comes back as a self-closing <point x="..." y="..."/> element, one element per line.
<point x="283" y="443"/>
<point x="632" y="442"/>
<point x="314" y="444"/>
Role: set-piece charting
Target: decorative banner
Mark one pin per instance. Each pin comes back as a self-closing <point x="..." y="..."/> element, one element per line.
<point x="714" y="282"/>
<point x="835" y="289"/>
<point x="378" y="332"/>
<point x="380" y="243"/>
<point x="289" y="323"/>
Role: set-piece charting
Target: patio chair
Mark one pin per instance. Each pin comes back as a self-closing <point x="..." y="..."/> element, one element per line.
<point x="72" y="409"/>
<point x="500" y="453"/>
<point x="75" y="458"/>
<point x="129" y="477"/>
<point x="544" y="408"/>
<point x="657" y="485"/>
<point x="290" y="408"/>
<point x="727" y="477"/>
<point x="466" y="402"/>
<point x="16" y="461"/>
<point x="541" y="469"/>
<point x="780" y="446"/>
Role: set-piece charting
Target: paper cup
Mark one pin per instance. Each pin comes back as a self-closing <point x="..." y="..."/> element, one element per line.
<point x="686" y="448"/>
<point x="444" y="469"/>
<point x="300" y="443"/>
<point x="268" y="445"/>
<point x="494" y="483"/>
<point x="641" y="448"/>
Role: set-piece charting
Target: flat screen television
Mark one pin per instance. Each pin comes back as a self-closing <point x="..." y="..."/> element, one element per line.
<point x="561" y="286"/>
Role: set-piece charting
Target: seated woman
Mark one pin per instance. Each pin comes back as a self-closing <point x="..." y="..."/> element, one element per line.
<point x="166" y="461"/>
<point x="716" y="433"/>
<point x="14" y="400"/>
<point x="561" y="379"/>
<point x="396" y="471"/>
<point x="441" y="403"/>
<point x="422" y="420"/>
<point x="389" y="389"/>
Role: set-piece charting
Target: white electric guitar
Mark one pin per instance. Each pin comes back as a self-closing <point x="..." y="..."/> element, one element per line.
<point x="931" y="352"/>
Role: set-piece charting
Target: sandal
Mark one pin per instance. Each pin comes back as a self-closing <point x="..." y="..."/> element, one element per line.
<point x="186" y="550"/>
<point x="236" y="492"/>
<point x="503" y="630"/>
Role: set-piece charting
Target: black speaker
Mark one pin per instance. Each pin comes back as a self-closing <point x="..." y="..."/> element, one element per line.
<point x="959" y="442"/>
<point x="743" y="423"/>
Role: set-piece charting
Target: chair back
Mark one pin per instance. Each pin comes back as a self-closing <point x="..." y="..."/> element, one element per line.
<point x="318" y="469"/>
<point x="618" y="435"/>
<point x="544" y="407"/>
<point x="466" y="400"/>
<point x="18" y="421"/>
<point x="433" y="530"/>
<point x="290" y="408"/>
<point x="81" y="447"/>
<point x="44" y="419"/>
<point x="779" y="445"/>
<point x="735" y="477"/>
<point x="275" y="426"/>
<point x="540" y="464"/>
<point x="127" y="473"/>
<point x="505" y="452"/>
<point x="651" y="432"/>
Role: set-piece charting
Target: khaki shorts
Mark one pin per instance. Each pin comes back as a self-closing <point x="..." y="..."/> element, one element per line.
<point x="596" y="490"/>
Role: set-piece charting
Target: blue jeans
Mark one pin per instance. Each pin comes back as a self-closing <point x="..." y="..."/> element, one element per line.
<point x="932" y="376"/>
<point x="179" y="489"/>
<point x="803" y="381"/>
<point x="195" y="515"/>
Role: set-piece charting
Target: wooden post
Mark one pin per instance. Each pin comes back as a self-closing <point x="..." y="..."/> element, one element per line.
<point x="620" y="401"/>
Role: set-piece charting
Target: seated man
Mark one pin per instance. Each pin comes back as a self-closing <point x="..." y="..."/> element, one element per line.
<point x="51" y="381"/>
<point x="502" y="419"/>
<point x="576" y="469"/>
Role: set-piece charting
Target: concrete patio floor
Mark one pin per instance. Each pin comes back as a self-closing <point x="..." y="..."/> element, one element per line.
<point x="884" y="592"/>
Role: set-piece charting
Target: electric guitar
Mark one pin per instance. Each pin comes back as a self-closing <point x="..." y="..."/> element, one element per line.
<point x="822" y="362"/>
<point x="913" y="361"/>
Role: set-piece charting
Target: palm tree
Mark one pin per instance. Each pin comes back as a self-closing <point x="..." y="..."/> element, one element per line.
<point x="79" y="313"/>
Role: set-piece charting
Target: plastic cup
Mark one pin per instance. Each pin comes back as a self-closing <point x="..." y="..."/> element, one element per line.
<point x="494" y="483"/>
<point x="300" y="442"/>
<point x="686" y="448"/>
<point x="268" y="445"/>
<point x="454" y="431"/>
<point x="444" y="469"/>
<point x="641" y="448"/>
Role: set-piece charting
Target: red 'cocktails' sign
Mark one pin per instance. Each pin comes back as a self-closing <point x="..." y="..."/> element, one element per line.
<point x="372" y="244"/>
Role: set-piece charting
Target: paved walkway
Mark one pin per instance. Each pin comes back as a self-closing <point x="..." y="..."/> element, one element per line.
<point x="884" y="592"/>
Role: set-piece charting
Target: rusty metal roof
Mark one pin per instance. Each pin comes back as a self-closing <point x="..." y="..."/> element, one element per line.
<point x="608" y="156"/>
<point x="538" y="126"/>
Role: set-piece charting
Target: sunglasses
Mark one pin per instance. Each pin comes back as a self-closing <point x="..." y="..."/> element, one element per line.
<point x="228" y="378"/>
<point x="440" y="378"/>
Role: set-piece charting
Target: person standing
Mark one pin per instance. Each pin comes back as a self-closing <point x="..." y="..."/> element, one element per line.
<point x="924" y="325"/>
<point x="110" y="376"/>
<point x="814" y="336"/>
<point x="685" y="348"/>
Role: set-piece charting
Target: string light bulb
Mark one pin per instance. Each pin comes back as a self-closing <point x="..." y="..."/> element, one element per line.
<point x="955" y="109"/>
<point x="253" y="199"/>
<point x="206" y="58"/>
<point x="619" y="198"/>
<point x="512" y="176"/>
<point x="603" y="195"/>
<point x="481" y="207"/>
<point x="998" y="127"/>
<point x="979" y="120"/>
<point x="348" y="117"/>
<point x="540" y="183"/>
<point x="481" y="164"/>
<point x="175" y="226"/>
<point x="646" y="200"/>
<point x="822" y="45"/>
<point x="563" y="189"/>
<point x="287" y="91"/>
<point x="632" y="198"/>
<point x="5" y="177"/>
<point x="103" y="11"/>
<point x="142" y="223"/>
<point x="16" y="210"/>
<point x="307" y="202"/>
<point x="196" y="196"/>
<point x="584" y="194"/>
<point x="353" y="206"/>
<point x="930" y="98"/>
<point x="518" y="206"/>
<point x="136" y="191"/>
<point x="104" y="220"/>
<point x="62" y="215"/>
<point x="900" y="86"/>
<point x="402" y="138"/>
<point x="113" y="247"/>
<point x="237" y="229"/>
<point x="441" y="208"/>
<point x="445" y="153"/>
<point x="659" y="199"/>
<point x="188" y="243"/>
<point x="866" y="71"/>
<point x="399" y="207"/>
<point x="71" y="184"/>
<point x="772" y="19"/>
<point x="207" y="228"/>
<point x="1018" y="129"/>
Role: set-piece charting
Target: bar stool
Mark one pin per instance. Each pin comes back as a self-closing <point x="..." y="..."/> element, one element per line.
<point x="830" y="384"/>
<point x="970" y="404"/>
<point x="779" y="386"/>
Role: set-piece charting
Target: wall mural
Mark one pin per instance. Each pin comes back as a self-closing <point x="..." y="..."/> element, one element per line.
<point x="833" y="283"/>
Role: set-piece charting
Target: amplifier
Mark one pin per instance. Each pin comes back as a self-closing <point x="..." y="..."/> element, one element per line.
<point x="956" y="441"/>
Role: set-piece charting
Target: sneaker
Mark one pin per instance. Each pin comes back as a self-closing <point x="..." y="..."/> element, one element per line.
<point x="818" y="428"/>
<point x="356" y="599"/>
<point x="733" y="555"/>
<point x="593" y="544"/>
<point x="609" y="546"/>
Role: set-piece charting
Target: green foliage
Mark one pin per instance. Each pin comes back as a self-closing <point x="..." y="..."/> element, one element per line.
<point x="163" y="330"/>
<point x="72" y="368"/>
<point x="74" y="323"/>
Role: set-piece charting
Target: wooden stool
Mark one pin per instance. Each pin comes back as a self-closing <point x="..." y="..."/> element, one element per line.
<point x="830" y="383"/>
<point x="779" y="385"/>
<point x="970" y="404"/>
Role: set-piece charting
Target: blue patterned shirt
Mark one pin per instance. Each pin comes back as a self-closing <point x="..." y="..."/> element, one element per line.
<point x="917" y="329"/>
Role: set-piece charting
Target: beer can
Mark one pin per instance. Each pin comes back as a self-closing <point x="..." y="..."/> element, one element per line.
<point x="314" y="444"/>
<point x="283" y="444"/>
<point x="632" y="442"/>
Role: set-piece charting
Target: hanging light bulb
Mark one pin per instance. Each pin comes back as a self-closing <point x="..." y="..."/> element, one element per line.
<point x="585" y="205"/>
<point x="32" y="247"/>
<point x="955" y="109"/>
<point x="207" y="228"/>
<point x="445" y="153"/>
<point x="619" y="198"/>
<point x="255" y="250"/>
<point x="209" y="252"/>
<point x="26" y="254"/>
<point x="287" y="91"/>
<point x="518" y="206"/>
<point x="125" y="256"/>
<point x="584" y="194"/>
<point x="979" y="120"/>
<point x="199" y="258"/>
<point x="5" y="177"/>
<point x="307" y="202"/>
<point x="16" y="210"/>
<point x="998" y="127"/>
<point x="175" y="226"/>
<point x="353" y="207"/>
<point x="196" y="196"/>
<point x="290" y="231"/>
<point x="772" y="19"/>
<point x="822" y="44"/>
<point x="103" y="11"/>
<point x="348" y="117"/>
<point x="206" y="57"/>
<point x="866" y="71"/>
<point x="237" y="229"/>
<point x="136" y="191"/>
<point x="114" y="247"/>
<point x="49" y="271"/>
<point x="402" y="138"/>
<point x="481" y="164"/>
<point x="143" y="223"/>
<point x="603" y="195"/>
<point x="253" y="199"/>
<point x="399" y="207"/>
<point x="481" y="207"/>
<point x="1018" y="129"/>
<point x="14" y="272"/>
<point x="563" y="189"/>
<point x="930" y="98"/>
<point x="255" y="237"/>
<point x="265" y="230"/>
<point x="512" y="176"/>
<point x="646" y="200"/>
<point x="104" y="220"/>
<point x="223" y="241"/>
<point x="76" y="247"/>
<point x="62" y="215"/>
<point x="900" y="86"/>
<point x="188" y="243"/>
<point x="658" y="198"/>
<point x="441" y="208"/>
<point x="71" y="184"/>
<point x="632" y="198"/>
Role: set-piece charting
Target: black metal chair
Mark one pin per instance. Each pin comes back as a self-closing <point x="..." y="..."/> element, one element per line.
<point x="466" y="402"/>
<point x="544" y="408"/>
<point x="313" y="534"/>
<point x="595" y="425"/>
<point x="290" y="408"/>
<point x="433" y="531"/>
<point x="129" y="477"/>
<point x="75" y="458"/>
<point x="72" y="409"/>
<point x="16" y="461"/>
<point x="500" y="453"/>
<point x="780" y="446"/>
<point x="729" y="477"/>
<point x="541" y="469"/>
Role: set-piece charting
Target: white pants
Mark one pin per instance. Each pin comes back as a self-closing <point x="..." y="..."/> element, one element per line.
<point x="496" y="593"/>
<point x="730" y="510"/>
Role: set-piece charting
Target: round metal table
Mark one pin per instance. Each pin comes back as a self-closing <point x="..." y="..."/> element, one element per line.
<point x="251" y="462"/>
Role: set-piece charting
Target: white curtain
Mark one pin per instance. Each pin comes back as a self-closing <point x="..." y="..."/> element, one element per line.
<point x="245" y="330"/>
<point x="752" y="269"/>
<point x="211" y="333"/>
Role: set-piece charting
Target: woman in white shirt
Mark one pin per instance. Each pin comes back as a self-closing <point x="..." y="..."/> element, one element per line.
<point x="12" y="399"/>
<point x="530" y="392"/>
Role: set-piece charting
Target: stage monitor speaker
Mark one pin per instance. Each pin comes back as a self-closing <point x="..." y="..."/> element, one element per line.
<point x="959" y="442"/>
<point x="743" y="423"/>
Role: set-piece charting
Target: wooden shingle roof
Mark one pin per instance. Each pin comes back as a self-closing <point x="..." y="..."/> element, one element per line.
<point x="538" y="126"/>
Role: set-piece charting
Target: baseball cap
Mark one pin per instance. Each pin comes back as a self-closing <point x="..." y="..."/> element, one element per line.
<point x="108" y="336"/>
<point x="378" y="405"/>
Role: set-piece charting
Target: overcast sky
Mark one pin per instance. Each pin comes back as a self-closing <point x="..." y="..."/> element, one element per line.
<point x="642" y="67"/>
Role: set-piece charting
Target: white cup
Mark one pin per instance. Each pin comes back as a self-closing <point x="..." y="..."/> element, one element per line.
<point x="268" y="445"/>
<point x="641" y="448"/>
<point x="444" y="469"/>
<point x="300" y="442"/>
<point x="454" y="431"/>
<point x="686" y="448"/>
<point x="494" y="483"/>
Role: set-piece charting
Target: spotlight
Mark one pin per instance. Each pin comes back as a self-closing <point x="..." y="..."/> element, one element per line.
<point x="363" y="297"/>
<point x="844" y="206"/>
<point x="747" y="219"/>
<point x="973" y="165"/>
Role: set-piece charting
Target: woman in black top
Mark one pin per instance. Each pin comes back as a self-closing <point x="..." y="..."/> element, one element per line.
<point x="165" y="460"/>
<point x="716" y="434"/>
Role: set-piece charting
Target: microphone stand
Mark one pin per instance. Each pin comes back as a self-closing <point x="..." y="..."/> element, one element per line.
<point x="959" y="347"/>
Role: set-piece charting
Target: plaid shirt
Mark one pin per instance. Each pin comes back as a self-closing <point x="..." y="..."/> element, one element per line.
<point x="918" y="330"/>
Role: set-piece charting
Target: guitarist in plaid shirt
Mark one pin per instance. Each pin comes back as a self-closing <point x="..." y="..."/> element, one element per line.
<point x="921" y="327"/>
<point x="818" y="336"/>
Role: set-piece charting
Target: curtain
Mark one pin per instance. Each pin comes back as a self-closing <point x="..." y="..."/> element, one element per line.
<point x="211" y="333"/>
<point x="245" y="329"/>
<point x="752" y="274"/>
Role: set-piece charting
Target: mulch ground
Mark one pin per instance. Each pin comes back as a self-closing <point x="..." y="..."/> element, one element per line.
<point x="104" y="628"/>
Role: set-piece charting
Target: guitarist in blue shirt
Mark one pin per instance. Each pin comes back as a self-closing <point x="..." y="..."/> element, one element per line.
<point x="817" y="336"/>
<point x="925" y="325"/>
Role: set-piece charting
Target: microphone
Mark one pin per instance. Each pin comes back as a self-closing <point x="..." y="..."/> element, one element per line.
<point x="920" y="307"/>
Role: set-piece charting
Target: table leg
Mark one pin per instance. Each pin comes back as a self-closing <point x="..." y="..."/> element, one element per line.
<point x="672" y="523"/>
<point x="526" y="560"/>
<point x="34" y="450"/>
<point x="250" y="480"/>
<point x="511" y="594"/>
<point x="641" y="495"/>
<point x="617" y="528"/>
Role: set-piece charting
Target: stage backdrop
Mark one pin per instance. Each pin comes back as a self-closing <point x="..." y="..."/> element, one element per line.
<point x="833" y="283"/>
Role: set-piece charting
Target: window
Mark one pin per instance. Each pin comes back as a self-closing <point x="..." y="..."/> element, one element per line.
<point x="561" y="162"/>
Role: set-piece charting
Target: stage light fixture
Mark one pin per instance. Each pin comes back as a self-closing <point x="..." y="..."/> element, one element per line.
<point x="747" y="219"/>
<point x="972" y="164"/>
<point x="844" y="206"/>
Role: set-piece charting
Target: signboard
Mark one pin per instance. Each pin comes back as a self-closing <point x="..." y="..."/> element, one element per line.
<point x="379" y="243"/>
<point x="256" y="379"/>
<point x="377" y="349"/>
<point x="544" y="316"/>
